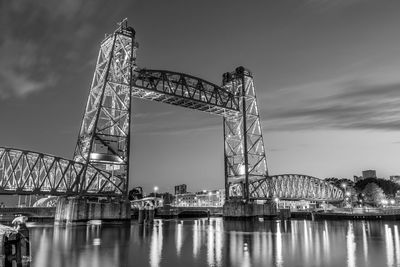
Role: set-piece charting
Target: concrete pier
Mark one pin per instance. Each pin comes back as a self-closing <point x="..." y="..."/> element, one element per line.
<point x="238" y="209"/>
<point x="72" y="210"/>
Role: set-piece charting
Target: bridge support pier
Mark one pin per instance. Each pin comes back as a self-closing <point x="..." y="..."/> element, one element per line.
<point x="73" y="210"/>
<point x="238" y="209"/>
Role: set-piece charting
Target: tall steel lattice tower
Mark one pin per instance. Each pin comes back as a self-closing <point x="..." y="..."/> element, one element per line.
<point x="245" y="160"/>
<point x="104" y="137"/>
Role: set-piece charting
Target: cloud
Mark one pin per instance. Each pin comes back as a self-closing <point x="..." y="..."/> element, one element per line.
<point x="356" y="105"/>
<point x="42" y="41"/>
<point x="23" y="69"/>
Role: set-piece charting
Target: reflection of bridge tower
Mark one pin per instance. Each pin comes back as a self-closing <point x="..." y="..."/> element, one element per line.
<point x="104" y="137"/>
<point x="245" y="159"/>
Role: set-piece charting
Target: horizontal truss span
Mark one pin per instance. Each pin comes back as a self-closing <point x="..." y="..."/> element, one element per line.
<point x="295" y="187"/>
<point x="26" y="173"/>
<point x="186" y="91"/>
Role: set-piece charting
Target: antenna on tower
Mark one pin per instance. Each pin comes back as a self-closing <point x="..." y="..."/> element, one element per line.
<point x="123" y="23"/>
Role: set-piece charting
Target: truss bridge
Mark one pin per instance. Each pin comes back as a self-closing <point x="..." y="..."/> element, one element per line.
<point x="100" y="163"/>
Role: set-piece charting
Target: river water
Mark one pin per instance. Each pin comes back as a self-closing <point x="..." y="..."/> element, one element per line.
<point x="215" y="242"/>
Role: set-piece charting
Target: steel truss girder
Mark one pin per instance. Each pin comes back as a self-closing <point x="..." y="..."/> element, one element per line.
<point x="26" y="172"/>
<point x="245" y="159"/>
<point x="186" y="91"/>
<point x="293" y="187"/>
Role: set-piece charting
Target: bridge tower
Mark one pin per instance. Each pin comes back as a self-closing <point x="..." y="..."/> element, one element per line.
<point x="245" y="160"/>
<point x="103" y="141"/>
<point x="104" y="137"/>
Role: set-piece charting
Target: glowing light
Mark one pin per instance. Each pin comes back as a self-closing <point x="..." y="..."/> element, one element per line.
<point x="351" y="246"/>
<point x="389" y="245"/>
<point x="179" y="237"/>
<point x="278" y="256"/>
<point x="242" y="169"/>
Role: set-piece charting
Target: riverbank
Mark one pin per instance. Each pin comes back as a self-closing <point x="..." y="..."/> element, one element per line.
<point x="349" y="214"/>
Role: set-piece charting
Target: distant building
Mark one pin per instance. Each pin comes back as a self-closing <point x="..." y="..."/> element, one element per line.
<point x="185" y="200"/>
<point x="395" y="179"/>
<point x="180" y="189"/>
<point x="213" y="198"/>
<point x="369" y="174"/>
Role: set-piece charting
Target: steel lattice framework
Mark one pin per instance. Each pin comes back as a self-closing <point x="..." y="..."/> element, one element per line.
<point x="46" y="202"/>
<point x="245" y="159"/>
<point x="104" y="137"/>
<point x="100" y="166"/>
<point x="27" y="172"/>
<point x="186" y="91"/>
<point x="295" y="187"/>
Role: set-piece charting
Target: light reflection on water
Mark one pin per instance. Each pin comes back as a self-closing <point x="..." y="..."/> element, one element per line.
<point x="215" y="242"/>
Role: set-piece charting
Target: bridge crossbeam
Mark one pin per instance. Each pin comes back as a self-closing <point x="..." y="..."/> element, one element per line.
<point x="186" y="91"/>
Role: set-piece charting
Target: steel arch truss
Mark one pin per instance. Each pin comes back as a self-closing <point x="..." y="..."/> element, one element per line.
<point x="46" y="202"/>
<point x="295" y="186"/>
<point x="186" y="91"/>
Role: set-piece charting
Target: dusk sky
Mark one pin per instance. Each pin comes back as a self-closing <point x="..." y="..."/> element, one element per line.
<point x="327" y="75"/>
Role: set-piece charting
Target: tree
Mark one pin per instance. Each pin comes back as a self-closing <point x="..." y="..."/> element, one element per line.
<point x="340" y="182"/>
<point x="373" y="194"/>
<point x="389" y="188"/>
<point x="135" y="193"/>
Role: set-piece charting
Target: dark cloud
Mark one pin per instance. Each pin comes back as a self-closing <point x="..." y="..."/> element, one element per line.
<point x="358" y="106"/>
<point x="30" y="62"/>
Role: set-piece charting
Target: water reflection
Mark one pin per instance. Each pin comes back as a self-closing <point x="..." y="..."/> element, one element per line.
<point x="156" y="244"/>
<point x="351" y="246"/>
<point x="214" y="242"/>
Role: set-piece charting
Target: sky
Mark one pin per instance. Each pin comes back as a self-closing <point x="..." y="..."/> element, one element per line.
<point x="326" y="74"/>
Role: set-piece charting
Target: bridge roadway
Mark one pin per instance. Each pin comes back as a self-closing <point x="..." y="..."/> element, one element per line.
<point x="48" y="213"/>
<point x="173" y="212"/>
<point x="33" y="213"/>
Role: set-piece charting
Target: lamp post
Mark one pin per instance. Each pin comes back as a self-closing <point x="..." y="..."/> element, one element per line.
<point x="155" y="191"/>
<point x="344" y="185"/>
<point x="276" y="199"/>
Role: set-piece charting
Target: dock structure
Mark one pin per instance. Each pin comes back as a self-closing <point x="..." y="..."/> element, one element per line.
<point x="14" y="246"/>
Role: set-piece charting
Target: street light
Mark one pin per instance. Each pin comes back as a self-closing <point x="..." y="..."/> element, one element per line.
<point x="276" y="199"/>
<point x="155" y="190"/>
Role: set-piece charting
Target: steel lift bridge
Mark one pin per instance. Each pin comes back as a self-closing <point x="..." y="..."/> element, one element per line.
<point x="100" y="165"/>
